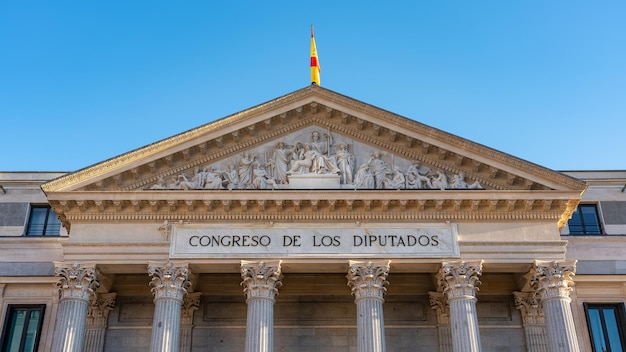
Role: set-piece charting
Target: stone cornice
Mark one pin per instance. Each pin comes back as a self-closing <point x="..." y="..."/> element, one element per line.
<point x="331" y="205"/>
<point x="357" y="119"/>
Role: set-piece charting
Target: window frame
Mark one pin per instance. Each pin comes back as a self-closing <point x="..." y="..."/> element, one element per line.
<point x="620" y="321"/>
<point x="11" y="310"/>
<point x="49" y="216"/>
<point x="587" y="230"/>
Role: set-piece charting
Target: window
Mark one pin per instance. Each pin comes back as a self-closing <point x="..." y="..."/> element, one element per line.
<point x="585" y="221"/>
<point x="22" y="328"/>
<point x="606" y="327"/>
<point x="43" y="222"/>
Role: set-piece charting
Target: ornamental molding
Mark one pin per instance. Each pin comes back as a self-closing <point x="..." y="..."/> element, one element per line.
<point x="169" y="279"/>
<point x="439" y="303"/>
<point x="552" y="279"/>
<point x="76" y="280"/>
<point x="328" y="110"/>
<point x="410" y="169"/>
<point x="529" y="306"/>
<point x="459" y="279"/>
<point x="191" y="303"/>
<point x="368" y="279"/>
<point x="99" y="308"/>
<point x="261" y="279"/>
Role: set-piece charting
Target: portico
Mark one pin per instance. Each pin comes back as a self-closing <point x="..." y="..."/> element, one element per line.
<point x="213" y="240"/>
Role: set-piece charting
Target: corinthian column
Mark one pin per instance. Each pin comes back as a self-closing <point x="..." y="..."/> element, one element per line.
<point x="261" y="281"/>
<point x="170" y="282"/>
<point x="97" y="317"/>
<point x="367" y="281"/>
<point x="551" y="280"/>
<point x="439" y="302"/>
<point x="458" y="281"/>
<point x="76" y="284"/>
<point x="532" y="316"/>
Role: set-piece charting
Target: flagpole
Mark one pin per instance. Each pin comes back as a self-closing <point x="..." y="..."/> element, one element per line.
<point x="315" y="65"/>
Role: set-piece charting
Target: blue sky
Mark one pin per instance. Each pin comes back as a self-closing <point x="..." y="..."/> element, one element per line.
<point x="84" y="81"/>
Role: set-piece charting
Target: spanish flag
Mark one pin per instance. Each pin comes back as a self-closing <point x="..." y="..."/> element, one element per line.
<point x="315" y="64"/>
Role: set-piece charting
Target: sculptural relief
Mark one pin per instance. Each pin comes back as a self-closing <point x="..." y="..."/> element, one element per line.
<point x="345" y="163"/>
<point x="272" y="165"/>
<point x="379" y="169"/>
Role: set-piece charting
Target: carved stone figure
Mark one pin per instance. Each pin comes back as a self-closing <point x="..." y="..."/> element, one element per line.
<point x="320" y="146"/>
<point x="345" y="163"/>
<point x="245" y="170"/>
<point x="174" y="183"/>
<point x="416" y="176"/>
<point x="230" y="177"/>
<point x="197" y="180"/>
<point x="261" y="179"/>
<point x="304" y="164"/>
<point x="161" y="184"/>
<point x="364" y="178"/>
<point x="379" y="169"/>
<point x="280" y="162"/>
<point x="440" y="181"/>
<point x="398" y="181"/>
<point x="213" y="179"/>
<point x="458" y="181"/>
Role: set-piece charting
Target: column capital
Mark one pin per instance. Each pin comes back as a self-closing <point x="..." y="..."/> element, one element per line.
<point x="169" y="279"/>
<point x="261" y="279"/>
<point x="76" y="280"/>
<point x="552" y="279"/>
<point x="367" y="279"/>
<point x="460" y="278"/>
<point x="191" y="303"/>
<point x="99" y="308"/>
<point x="439" y="302"/>
<point x="530" y="307"/>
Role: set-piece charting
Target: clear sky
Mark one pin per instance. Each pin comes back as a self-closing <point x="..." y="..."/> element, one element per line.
<point x="84" y="81"/>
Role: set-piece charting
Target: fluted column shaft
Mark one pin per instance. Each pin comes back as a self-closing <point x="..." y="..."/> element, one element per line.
<point x="94" y="339"/>
<point x="261" y="281"/>
<point x="76" y="284"/>
<point x="97" y="317"/>
<point x="367" y="281"/>
<point x="458" y="280"/>
<point x="551" y="281"/>
<point x="170" y="282"/>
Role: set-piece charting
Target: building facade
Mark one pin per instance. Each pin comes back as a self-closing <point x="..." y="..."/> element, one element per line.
<point x="313" y="222"/>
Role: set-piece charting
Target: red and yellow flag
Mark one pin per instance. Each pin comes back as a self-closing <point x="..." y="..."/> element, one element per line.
<point x="315" y="63"/>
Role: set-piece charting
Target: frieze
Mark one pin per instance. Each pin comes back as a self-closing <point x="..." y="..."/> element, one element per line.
<point x="314" y="153"/>
<point x="313" y="240"/>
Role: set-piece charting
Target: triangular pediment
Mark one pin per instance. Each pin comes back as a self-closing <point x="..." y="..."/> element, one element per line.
<point x="338" y="128"/>
<point x="292" y="119"/>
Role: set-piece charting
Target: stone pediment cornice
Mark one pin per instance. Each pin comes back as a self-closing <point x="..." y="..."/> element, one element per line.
<point x="122" y="188"/>
<point x="320" y="205"/>
<point x="321" y="107"/>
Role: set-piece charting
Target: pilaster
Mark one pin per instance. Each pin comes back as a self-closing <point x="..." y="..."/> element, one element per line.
<point x="459" y="281"/>
<point x="261" y="281"/>
<point x="439" y="302"/>
<point x="367" y="280"/>
<point x="191" y="303"/>
<point x="97" y="319"/>
<point x="533" y="320"/>
<point x="75" y="285"/>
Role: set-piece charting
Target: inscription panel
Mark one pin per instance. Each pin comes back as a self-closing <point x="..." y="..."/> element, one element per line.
<point x="315" y="241"/>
